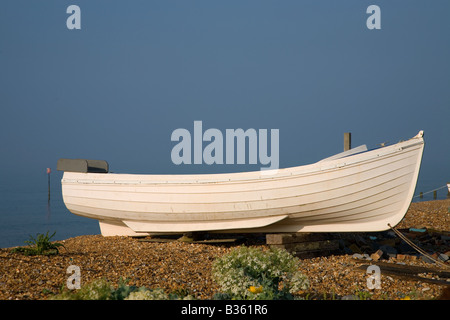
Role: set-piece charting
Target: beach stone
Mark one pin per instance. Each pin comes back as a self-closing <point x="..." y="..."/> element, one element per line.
<point x="401" y="257"/>
<point x="389" y="252"/>
<point x="426" y="259"/>
<point x="358" y="256"/>
<point x="367" y="257"/>
<point x="350" y="297"/>
<point x="391" y="234"/>
<point x="443" y="257"/>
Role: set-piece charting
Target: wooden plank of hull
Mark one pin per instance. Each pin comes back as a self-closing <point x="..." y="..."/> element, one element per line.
<point x="179" y="206"/>
<point x="363" y="192"/>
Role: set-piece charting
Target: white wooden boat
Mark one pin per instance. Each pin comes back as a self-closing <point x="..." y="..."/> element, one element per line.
<point x="348" y="192"/>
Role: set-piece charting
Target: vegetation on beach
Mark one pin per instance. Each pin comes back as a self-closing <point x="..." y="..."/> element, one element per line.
<point x="41" y="245"/>
<point x="256" y="274"/>
<point x="244" y="273"/>
<point x="102" y="289"/>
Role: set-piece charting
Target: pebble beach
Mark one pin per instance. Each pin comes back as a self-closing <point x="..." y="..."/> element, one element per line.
<point x="176" y="266"/>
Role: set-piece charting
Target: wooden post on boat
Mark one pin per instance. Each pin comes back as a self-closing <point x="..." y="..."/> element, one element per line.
<point x="347" y="141"/>
<point x="435" y="194"/>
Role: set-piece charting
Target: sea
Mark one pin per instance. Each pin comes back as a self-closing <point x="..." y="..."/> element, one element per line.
<point x="26" y="209"/>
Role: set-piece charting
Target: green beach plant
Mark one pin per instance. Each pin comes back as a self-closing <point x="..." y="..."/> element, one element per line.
<point x="101" y="289"/>
<point x="363" y="295"/>
<point x="255" y="274"/>
<point x="41" y="245"/>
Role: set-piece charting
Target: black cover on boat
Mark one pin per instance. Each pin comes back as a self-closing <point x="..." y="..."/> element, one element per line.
<point x="82" y="165"/>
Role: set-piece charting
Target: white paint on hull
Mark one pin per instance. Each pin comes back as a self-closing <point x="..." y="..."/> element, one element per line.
<point x="362" y="192"/>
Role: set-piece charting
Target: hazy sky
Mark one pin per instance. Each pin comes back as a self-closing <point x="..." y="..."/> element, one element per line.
<point x="137" y="70"/>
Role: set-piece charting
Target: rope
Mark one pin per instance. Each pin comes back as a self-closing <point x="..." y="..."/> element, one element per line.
<point x="414" y="246"/>
<point x="430" y="191"/>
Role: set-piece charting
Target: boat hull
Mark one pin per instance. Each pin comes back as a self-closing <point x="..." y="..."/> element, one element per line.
<point x="360" y="193"/>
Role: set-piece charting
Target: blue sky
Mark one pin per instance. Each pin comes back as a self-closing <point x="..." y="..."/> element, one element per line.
<point x="138" y="70"/>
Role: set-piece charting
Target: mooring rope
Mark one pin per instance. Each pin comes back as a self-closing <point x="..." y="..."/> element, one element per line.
<point x="414" y="246"/>
<point x="430" y="191"/>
